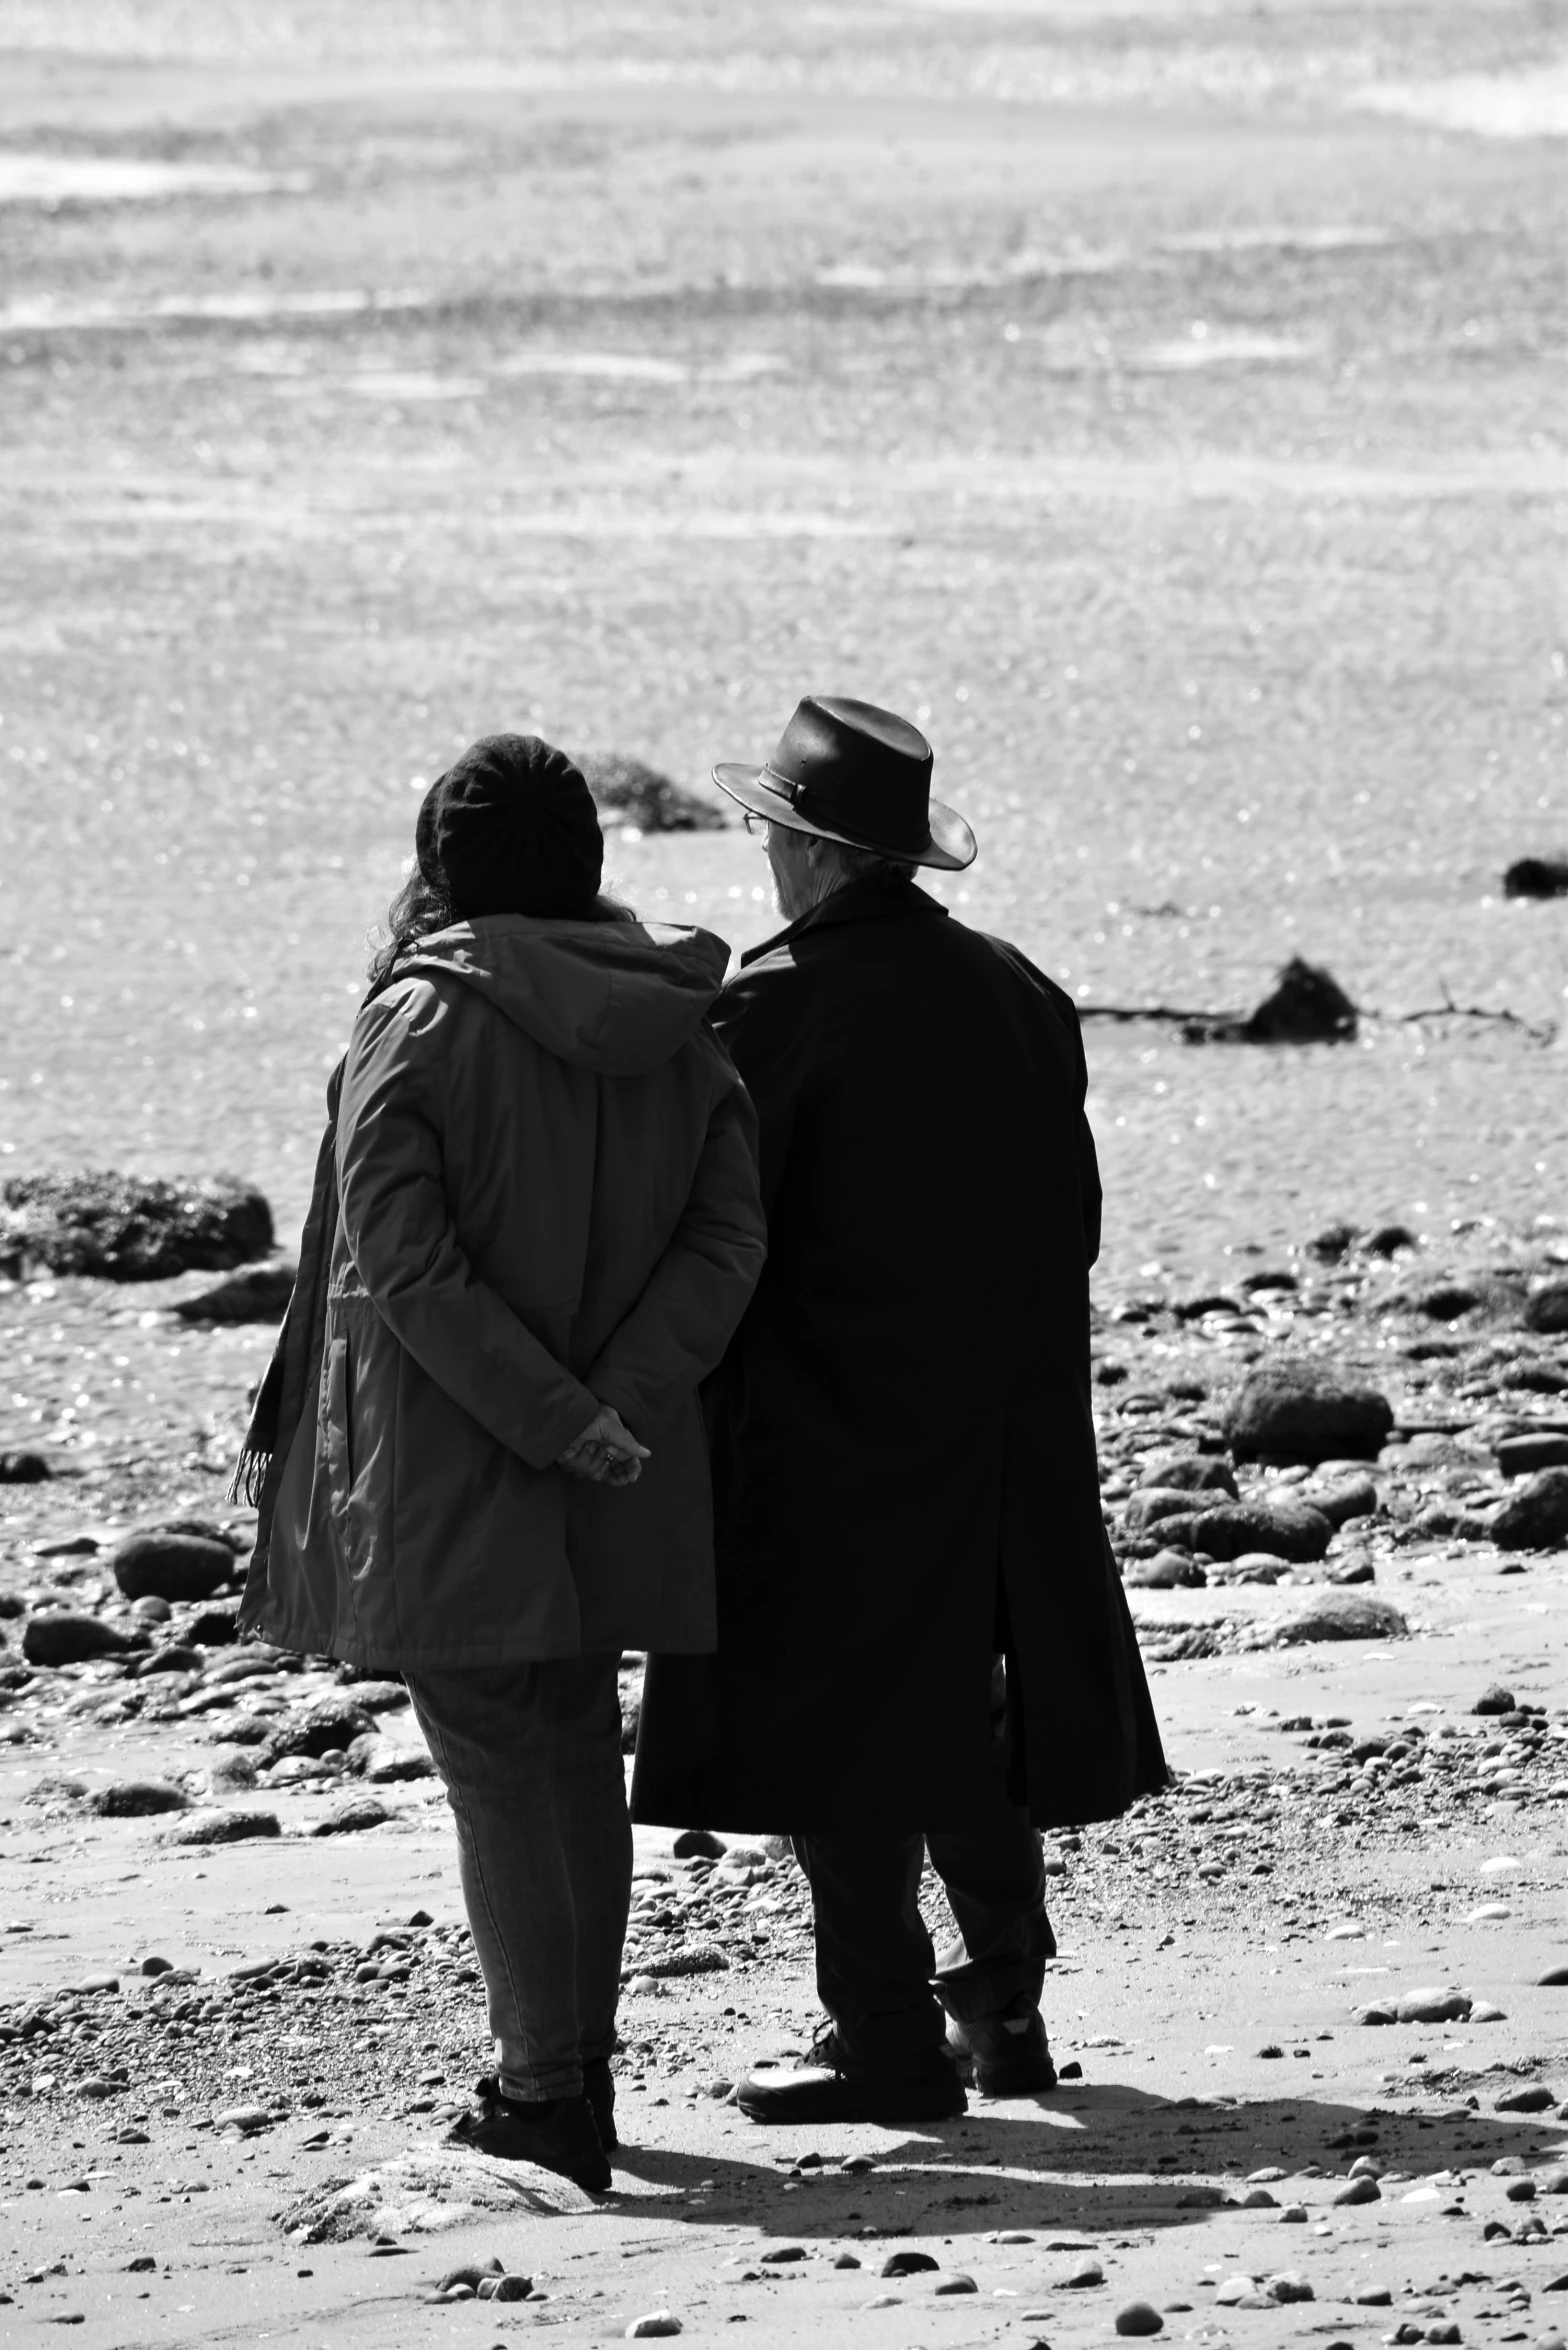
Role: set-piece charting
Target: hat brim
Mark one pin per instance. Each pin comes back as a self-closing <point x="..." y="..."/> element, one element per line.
<point x="950" y="845"/>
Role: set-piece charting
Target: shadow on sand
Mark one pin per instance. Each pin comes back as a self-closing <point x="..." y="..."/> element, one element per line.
<point x="1093" y="2160"/>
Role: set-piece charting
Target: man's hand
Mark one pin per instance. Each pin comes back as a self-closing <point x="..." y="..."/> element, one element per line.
<point x="606" y="1453"/>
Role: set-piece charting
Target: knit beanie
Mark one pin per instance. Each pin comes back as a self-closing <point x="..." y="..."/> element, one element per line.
<point x="511" y="828"/>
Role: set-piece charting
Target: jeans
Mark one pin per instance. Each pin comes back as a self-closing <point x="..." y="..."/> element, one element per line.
<point x="531" y="1758"/>
<point x="878" y="1974"/>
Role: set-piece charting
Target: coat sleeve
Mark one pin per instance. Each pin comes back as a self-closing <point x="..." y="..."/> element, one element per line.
<point x="763" y="1020"/>
<point x="678" y="1329"/>
<point x="407" y="1252"/>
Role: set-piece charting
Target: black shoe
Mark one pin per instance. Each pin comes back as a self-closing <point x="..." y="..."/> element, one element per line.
<point x="1009" y="2053"/>
<point x="559" y="2134"/>
<point x="599" y="2089"/>
<point x="828" y="2091"/>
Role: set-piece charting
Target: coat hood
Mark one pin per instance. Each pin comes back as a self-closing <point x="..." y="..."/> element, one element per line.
<point x="618" y="998"/>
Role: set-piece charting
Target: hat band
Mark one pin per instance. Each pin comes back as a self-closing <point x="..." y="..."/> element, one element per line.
<point x="801" y="797"/>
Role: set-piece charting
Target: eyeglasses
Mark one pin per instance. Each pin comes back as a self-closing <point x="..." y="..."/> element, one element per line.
<point x="756" y="825"/>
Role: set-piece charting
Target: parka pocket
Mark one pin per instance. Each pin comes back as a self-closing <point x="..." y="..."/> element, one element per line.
<point x="336" y="1444"/>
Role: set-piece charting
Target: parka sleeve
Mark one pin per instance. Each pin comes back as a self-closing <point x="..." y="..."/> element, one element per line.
<point x="694" y="1298"/>
<point x="406" y="1249"/>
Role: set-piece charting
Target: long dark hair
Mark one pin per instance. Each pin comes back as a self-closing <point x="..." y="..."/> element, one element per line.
<point x="423" y="907"/>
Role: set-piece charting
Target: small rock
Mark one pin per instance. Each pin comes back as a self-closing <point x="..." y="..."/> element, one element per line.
<point x="1553" y="1979"/>
<point x="351" y="1815"/>
<point x="1520" y="2191"/>
<point x="24" y="1468"/>
<point x="698" y="1844"/>
<point x="1361" y="2190"/>
<point x="1350" y="1497"/>
<point x="1200" y="1472"/>
<point x="60" y="1638"/>
<point x="1283" y="1529"/>
<point x="247" y="2119"/>
<point x="257" y="1293"/>
<point x="958" y="2283"/>
<point x="1288" y="2286"/>
<point x="654" y="2327"/>
<point x="1494" y="1699"/>
<point x="1297" y="1411"/>
<point x="162" y="1564"/>
<point x="1139" y="2317"/>
<point x="1085" y="2274"/>
<point x="1537" y="877"/>
<point x="1168" y="1570"/>
<point x="1536" y="1516"/>
<point x="327" y="1722"/>
<point x="1148" y="1506"/>
<point x="1546" y="1307"/>
<point x="136" y="1799"/>
<point x="215" y="1627"/>
<point x="1434" y="2004"/>
<point x="907" y="2264"/>
<point x="1338" y="1615"/>
<point x="1537" y="2098"/>
<point x="226" y="1827"/>
<point x="1484" y="2012"/>
<point x="1520" y="1456"/>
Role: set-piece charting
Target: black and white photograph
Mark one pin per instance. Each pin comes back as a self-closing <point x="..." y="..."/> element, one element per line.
<point x="784" y="1173"/>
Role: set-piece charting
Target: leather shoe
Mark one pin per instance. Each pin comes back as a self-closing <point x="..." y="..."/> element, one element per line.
<point x="828" y="2090"/>
<point x="1008" y="2054"/>
<point x="558" y="2133"/>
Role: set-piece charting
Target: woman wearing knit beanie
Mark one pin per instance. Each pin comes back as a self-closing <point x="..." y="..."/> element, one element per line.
<point x="478" y="1453"/>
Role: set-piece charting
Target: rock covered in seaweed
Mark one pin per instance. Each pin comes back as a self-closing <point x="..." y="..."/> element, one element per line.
<point x="628" y="791"/>
<point x="132" y="1227"/>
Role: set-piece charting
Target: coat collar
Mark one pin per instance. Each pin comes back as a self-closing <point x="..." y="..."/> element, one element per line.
<point x="858" y="901"/>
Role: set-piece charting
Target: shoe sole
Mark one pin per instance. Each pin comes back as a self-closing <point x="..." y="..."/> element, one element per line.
<point x="1020" y="2084"/>
<point x="842" y="2101"/>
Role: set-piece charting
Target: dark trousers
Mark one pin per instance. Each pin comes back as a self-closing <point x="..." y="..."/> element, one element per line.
<point x="878" y="1974"/>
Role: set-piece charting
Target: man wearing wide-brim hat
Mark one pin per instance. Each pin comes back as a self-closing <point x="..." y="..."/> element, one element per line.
<point x="906" y="1492"/>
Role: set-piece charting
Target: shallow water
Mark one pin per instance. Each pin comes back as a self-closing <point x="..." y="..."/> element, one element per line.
<point x="1177" y="437"/>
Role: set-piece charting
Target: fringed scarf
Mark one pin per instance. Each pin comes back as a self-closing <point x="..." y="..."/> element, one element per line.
<point x="294" y="1373"/>
<point x="295" y="1369"/>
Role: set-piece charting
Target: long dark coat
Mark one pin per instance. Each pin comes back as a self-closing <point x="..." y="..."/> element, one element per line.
<point x="903" y="1447"/>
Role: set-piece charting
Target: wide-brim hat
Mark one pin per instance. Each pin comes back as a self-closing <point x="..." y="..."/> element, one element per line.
<point x="849" y="772"/>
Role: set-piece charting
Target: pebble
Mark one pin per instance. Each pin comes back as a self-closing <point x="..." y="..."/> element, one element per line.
<point x="1300" y="1411"/>
<point x="64" y="1638"/>
<point x="353" y="1814"/>
<point x="164" y="1564"/>
<point x="1435" y="2004"/>
<point x="136" y="1799"/>
<point x="1139" y="2317"/>
<point x="1536" y="1516"/>
<point x="225" y="1827"/>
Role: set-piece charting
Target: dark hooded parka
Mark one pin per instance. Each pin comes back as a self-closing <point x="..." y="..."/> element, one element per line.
<point x="903" y="1448"/>
<point x="547" y="1178"/>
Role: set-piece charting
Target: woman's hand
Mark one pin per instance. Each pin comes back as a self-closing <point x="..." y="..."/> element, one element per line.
<point x="606" y="1453"/>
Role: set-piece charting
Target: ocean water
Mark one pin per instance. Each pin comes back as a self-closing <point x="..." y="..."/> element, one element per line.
<point x="1162" y="405"/>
